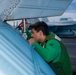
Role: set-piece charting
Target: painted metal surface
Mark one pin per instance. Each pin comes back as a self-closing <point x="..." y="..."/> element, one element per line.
<point x="6" y="7"/>
<point x="18" y="9"/>
<point x="17" y="57"/>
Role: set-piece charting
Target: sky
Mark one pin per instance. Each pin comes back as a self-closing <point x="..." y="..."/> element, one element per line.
<point x="70" y="12"/>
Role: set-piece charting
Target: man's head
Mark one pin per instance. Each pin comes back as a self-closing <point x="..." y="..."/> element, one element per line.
<point x="39" y="31"/>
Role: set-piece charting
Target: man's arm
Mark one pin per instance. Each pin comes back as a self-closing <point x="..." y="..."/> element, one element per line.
<point x="28" y="34"/>
<point x="27" y="31"/>
<point x="50" y="52"/>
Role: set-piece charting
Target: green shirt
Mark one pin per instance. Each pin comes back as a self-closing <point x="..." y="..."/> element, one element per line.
<point x="50" y="52"/>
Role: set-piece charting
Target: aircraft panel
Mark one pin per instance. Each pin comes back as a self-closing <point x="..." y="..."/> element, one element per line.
<point x="6" y="7"/>
<point x="39" y="8"/>
<point x="18" y="9"/>
<point x="17" y="56"/>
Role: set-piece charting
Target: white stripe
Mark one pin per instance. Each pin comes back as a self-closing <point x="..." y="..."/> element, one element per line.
<point x="58" y="38"/>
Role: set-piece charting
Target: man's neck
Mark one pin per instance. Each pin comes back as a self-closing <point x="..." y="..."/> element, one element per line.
<point x="42" y="39"/>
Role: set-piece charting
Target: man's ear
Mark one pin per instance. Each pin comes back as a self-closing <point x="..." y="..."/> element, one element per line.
<point x="41" y="33"/>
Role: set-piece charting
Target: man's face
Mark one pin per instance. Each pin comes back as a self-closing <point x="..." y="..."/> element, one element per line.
<point x="36" y="35"/>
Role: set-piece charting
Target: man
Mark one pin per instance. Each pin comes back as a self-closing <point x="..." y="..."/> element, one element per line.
<point x="51" y="48"/>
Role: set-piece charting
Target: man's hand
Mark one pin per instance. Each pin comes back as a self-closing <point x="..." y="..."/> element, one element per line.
<point x="31" y="41"/>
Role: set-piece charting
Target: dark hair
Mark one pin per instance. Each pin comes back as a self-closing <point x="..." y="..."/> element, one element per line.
<point x="40" y="26"/>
